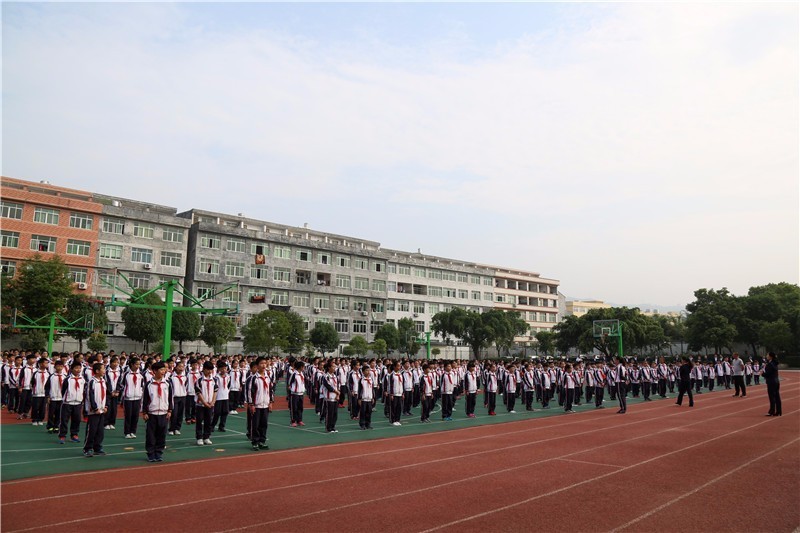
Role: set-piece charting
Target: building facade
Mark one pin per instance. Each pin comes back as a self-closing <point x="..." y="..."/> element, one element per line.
<point x="581" y="307"/>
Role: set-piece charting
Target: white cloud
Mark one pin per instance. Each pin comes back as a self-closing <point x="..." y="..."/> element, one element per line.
<point x="616" y="121"/>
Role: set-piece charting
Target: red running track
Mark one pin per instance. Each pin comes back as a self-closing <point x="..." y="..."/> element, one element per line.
<point x="719" y="466"/>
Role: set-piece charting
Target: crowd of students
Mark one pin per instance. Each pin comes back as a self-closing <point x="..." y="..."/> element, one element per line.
<point x="60" y="390"/>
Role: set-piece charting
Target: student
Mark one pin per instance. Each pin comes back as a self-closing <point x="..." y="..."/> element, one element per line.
<point x="408" y="388"/>
<point x="491" y="390"/>
<point x="394" y="391"/>
<point x="260" y="394"/>
<point x="353" y="379"/>
<point x="38" y="384"/>
<point x="600" y="384"/>
<point x="427" y="384"/>
<point x="157" y="407"/>
<point x="511" y="388"/>
<point x="329" y="388"/>
<point x="192" y="376"/>
<point x="113" y="377"/>
<point x="205" y="391"/>
<point x="24" y="387"/>
<point x="72" y="399"/>
<point x="221" y="405"/>
<point x="130" y="390"/>
<point x="471" y="385"/>
<point x="248" y="382"/>
<point x="621" y="378"/>
<point x="296" y="387"/>
<point x="685" y="383"/>
<point x="569" y="383"/>
<point x="236" y="386"/>
<point x="178" y="382"/>
<point x="447" y="389"/>
<point x="13" y="377"/>
<point x="95" y="408"/>
<point x="662" y="374"/>
<point x="366" y="398"/>
<point x="53" y="393"/>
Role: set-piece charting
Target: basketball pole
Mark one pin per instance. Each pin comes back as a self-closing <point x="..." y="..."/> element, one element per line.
<point x="619" y="341"/>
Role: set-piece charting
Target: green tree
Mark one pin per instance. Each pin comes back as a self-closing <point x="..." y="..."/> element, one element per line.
<point x="97" y="342"/>
<point x="324" y="337"/>
<point x="389" y="334"/>
<point x="144" y="325"/>
<point x="185" y="327"/>
<point x="266" y="332"/>
<point x="78" y="307"/>
<point x="435" y="352"/>
<point x="477" y="330"/>
<point x="546" y="341"/>
<point x="407" y="336"/>
<point x="776" y="336"/>
<point x="710" y="323"/>
<point x="34" y="340"/>
<point x="348" y="351"/>
<point x="217" y="331"/>
<point x="39" y="288"/>
<point x="379" y="347"/>
<point x="296" y="339"/>
<point x="359" y="345"/>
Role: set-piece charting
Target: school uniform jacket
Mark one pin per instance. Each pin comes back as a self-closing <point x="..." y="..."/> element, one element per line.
<point x="53" y="386"/>
<point x="157" y="397"/>
<point x="207" y="387"/>
<point x="38" y="383"/>
<point x="72" y="390"/>
<point x="472" y="382"/>
<point x="96" y="396"/>
<point x="131" y="386"/>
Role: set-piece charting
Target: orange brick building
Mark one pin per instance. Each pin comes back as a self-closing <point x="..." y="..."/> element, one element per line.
<point x="49" y="220"/>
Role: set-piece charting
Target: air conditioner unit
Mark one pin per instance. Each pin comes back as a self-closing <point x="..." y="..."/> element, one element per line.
<point x="82" y="286"/>
<point x="316" y="310"/>
<point x="364" y="313"/>
<point x="147" y="266"/>
<point x="416" y="315"/>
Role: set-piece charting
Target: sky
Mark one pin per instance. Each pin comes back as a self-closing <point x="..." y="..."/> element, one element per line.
<point x="634" y="152"/>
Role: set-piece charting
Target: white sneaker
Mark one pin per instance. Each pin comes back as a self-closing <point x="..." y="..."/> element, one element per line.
<point x="170" y="432"/>
<point x="512" y="411"/>
<point x="234" y="412"/>
<point x="112" y="426"/>
<point x="128" y="436"/>
<point x="133" y="435"/>
<point x="396" y="424"/>
<point x="199" y="442"/>
<point x="207" y="441"/>
<point x="177" y="432"/>
<point x="106" y="427"/>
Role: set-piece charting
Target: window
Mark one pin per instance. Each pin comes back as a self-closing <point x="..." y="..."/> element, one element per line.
<point x="170" y="259"/>
<point x="207" y="241"/>
<point x="172" y="235"/>
<point x="208" y="266"/>
<point x="235" y="245"/>
<point x="475" y="280"/>
<point x="282" y="252"/>
<point x="435" y="274"/>
<point x="462" y="278"/>
<point x="435" y="291"/>
<point x="113" y="225"/>
<point x="301" y="300"/>
<point x="360" y="264"/>
<point x="375" y="325"/>
<point x="258" y="272"/>
<point x="77" y="275"/>
<point x="139" y="281"/>
<point x="419" y="307"/>
<point x="204" y="291"/>
<point x="322" y="302"/>
<point x="42" y="243"/>
<point x="234" y="269"/>
<point x="10" y="239"/>
<point x="391" y="286"/>
<point x="359" y="304"/>
<point x="8" y="268"/>
<point x="343" y="261"/>
<point x="45" y="216"/>
<point x="343" y="282"/>
<point x="141" y="255"/>
<point x="419" y="326"/>
<point x="341" y="304"/>
<point x="11" y="210"/>
<point x="107" y="279"/>
<point x="449" y="276"/>
<point x="419" y="272"/>
<point x="392" y="268"/>
<point x="282" y="275"/>
<point x="341" y="325"/>
<point x="391" y="305"/>
<point x="488" y="281"/>
<point x="488" y="296"/>
<point x="404" y="270"/>
<point x="81" y="221"/>
<point x="303" y="255"/>
<point x="359" y="326"/>
<point x="433" y="308"/>
<point x="378" y="266"/>
<point x="323" y="259"/>
<point x="403" y="306"/>
<point x="258" y="248"/>
<point x="450" y="293"/>
<point x="256" y="293"/>
<point x="463" y="294"/>
<point x="362" y="284"/>
<point x="499" y="298"/>
<point x="476" y="295"/>
<point x="377" y="307"/>
<point x="145" y="231"/>
<point x="280" y="298"/>
<point x="78" y="247"/>
<point x="378" y="285"/>
<point x="303" y="277"/>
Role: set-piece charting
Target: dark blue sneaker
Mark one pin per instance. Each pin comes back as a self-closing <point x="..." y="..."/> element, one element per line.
<point x="88" y="453"/>
<point x="151" y="459"/>
<point x="100" y="452"/>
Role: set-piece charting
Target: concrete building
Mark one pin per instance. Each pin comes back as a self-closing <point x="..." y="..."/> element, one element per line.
<point x="581" y="307"/>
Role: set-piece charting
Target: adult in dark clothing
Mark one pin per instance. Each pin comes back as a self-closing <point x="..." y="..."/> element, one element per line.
<point x="685" y="381"/>
<point x="773" y="385"/>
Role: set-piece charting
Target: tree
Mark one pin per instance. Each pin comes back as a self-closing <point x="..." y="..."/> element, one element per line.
<point x="379" y="347"/>
<point x="34" y="340"/>
<point x="546" y="340"/>
<point x="297" y="337"/>
<point x="266" y="332"/>
<point x="39" y="288"/>
<point x="324" y="337"/>
<point x="776" y="336"/>
<point x="144" y="325"/>
<point x="78" y="307"/>
<point x="359" y="345"/>
<point x="407" y="336"/>
<point x="185" y="327"/>
<point x="217" y="331"/>
<point x="710" y="320"/>
<point x="389" y="334"/>
<point x="97" y="342"/>
<point x="348" y="351"/>
<point x="435" y="352"/>
<point x="478" y="330"/>
<point x="506" y="327"/>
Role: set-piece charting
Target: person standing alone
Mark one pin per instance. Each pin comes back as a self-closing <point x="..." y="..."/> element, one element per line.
<point x="737" y="369"/>
<point x="773" y="385"/>
<point x="685" y="381"/>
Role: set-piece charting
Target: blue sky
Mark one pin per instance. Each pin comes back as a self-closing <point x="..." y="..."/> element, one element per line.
<point x="635" y="152"/>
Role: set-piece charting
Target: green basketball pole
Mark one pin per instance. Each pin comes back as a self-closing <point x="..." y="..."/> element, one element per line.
<point x="619" y="341"/>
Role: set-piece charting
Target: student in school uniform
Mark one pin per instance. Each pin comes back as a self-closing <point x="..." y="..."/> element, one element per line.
<point x="157" y="408"/>
<point x="205" y="393"/>
<point x="330" y="389"/>
<point x="95" y="408"/>
<point x="471" y="385"/>
<point x="235" y="390"/>
<point x="130" y="390"/>
<point x="427" y="385"/>
<point x="178" y="382"/>
<point x="296" y="388"/>
<point x="113" y="377"/>
<point x="72" y="394"/>
<point x="447" y="388"/>
<point x="491" y="390"/>
<point x="222" y="404"/>
<point x="408" y="388"/>
<point x="600" y="384"/>
<point x="353" y="379"/>
<point x="366" y="398"/>
<point x="394" y="394"/>
<point x="621" y="380"/>
<point x="13" y="378"/>
<point x="511" y="388"/>
<point x="569" y="383"/>
<point x="260" y="394"/>
<point x="24" y="386"/>
<point x="192" y="376"/>
<point x="757" y="372"/>
<point x="53" y="393"/>
<point x="662" y="373"/>
<point x="39" y="380"/>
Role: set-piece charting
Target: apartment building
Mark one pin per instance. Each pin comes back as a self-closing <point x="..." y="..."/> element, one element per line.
<point x="534" y="297"/>
<point x="39" y="218"/>
<point x="581" y="307"/>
